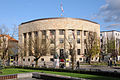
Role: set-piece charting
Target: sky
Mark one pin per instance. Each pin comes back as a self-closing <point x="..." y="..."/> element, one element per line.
<point x="104" y="12"/>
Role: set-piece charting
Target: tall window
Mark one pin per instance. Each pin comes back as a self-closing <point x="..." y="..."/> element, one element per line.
<point x="85" y="32"/>
<point x="78" y="40"/>
<point x="43" y="32"/>
<point x="61" y="32"/>
<point x="85" y="51"/>
<point x="61" y="52"/>
<point x="78" y="51"/>
<point x="61" y="40"/>
<point x="52" y="32"/>
<point x="78" y="32"/>
<point x="71" y="31"/>
<point x="85" y="41"/>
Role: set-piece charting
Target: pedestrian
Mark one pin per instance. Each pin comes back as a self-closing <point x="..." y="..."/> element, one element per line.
<point x="115" y="63"/>
<point x="110" y="62"/>
<point x="78" y="65"/>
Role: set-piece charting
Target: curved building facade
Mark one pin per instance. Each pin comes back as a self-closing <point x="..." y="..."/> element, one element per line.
<point x="62" y="32"/>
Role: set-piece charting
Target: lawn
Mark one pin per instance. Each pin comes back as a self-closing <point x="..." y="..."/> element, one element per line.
<point x="88" y="76"/>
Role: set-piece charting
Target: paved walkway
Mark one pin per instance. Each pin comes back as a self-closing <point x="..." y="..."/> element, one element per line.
<point x="102" y="68"/>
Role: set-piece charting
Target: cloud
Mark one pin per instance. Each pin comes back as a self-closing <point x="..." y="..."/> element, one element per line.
<point x="110" y="12"/>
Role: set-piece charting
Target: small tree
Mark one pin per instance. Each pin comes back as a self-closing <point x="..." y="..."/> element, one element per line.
<point x="92" y="46"/>
<point x="111" y="48"/>
<point x="40" y="47"/>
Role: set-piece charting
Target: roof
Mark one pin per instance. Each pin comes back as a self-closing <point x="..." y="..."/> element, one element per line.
<point x="57" y="18"/>
<point x="9" y="37"/>
<point x="110" y="31"/>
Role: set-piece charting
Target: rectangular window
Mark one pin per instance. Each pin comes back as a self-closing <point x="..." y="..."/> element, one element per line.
<point x="28" y="59"/>
<point x="78" y="51"/>
<point x="61" y="32"/>
<point x="43" y="32"/>
<point x="24" y="35"/>
<point x="78" y="32"/>
<point x="71" y="31"/>
<point x="23" y="59"/>
<point x="61" y="40"/>
<point x="85" y="33"/>
<point x="85" y="51"/>
<point x="70" y="51"/>
<point x="42" y="59"/>
<point x="30" y="34"/>
<point x="61" y="52"/>
<point x="51" y="59"/>
<point x="36" y="33"/>
<point x="84" y="41"/>
<point x="80" y="59"/>
<point x="78" y="40"/>
<point x="52" y="32"/>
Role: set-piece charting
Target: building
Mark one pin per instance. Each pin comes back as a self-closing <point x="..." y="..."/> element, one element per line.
<point x="61" y="31"/>
<point x="8" y="49"/>
<point x="110" y="35"/>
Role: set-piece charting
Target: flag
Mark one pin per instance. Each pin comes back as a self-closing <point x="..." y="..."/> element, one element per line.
<point x="62" y="8"/>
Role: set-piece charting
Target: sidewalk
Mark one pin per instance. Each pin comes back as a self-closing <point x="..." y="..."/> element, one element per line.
<point x="101" y="68"/>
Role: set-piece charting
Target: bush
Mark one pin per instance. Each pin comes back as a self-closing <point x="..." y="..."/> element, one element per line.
<point x="82" y="71"/>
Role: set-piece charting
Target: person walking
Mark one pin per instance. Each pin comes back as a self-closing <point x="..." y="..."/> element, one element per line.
<point x="78" y="65"/>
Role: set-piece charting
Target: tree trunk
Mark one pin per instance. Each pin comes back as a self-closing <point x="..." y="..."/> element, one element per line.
<point x="36" y="63"/>
<point x="89" y="60"/>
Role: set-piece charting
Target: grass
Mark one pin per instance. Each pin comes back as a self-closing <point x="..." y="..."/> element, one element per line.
<point x="88" y="76"/>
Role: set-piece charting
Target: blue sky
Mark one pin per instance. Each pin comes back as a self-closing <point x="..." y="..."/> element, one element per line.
<point x="14" y="12"/>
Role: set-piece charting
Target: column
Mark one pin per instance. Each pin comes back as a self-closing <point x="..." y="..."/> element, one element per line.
<point x="27" y="44"/>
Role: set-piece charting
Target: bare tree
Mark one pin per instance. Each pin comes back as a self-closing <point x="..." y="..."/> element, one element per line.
<point x="38" y="47"/>
<point x="6" y="44"/>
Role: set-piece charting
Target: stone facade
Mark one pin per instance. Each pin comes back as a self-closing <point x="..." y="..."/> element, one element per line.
<point x="63" y="30"/>
<point x="110" y="35"/>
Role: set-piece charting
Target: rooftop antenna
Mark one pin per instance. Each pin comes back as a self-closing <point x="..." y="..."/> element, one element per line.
<point x="62" y="10"/>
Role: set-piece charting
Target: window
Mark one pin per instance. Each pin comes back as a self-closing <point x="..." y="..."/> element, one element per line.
<point x="71" y="31"/>
<point x="23" y="59"/>
<point x="51" y="59"/>
<point x="78" y="51"/>
<point x="61" y="53"/>
<point x="61" y="40"/>
<point x="84" y="41"/>
<point x="70" y="51"/>
<point x="43" y="32"/>
<point x="36" y="33"/>
<point x="30" y="35"/>
<point x="78" y="32"/>
<point x="85" y="51"/>
<point x="24" y="35"/>
<point x="42" y="59"/>
<point x="61" y="32"/>
<point x="78" y="40"/>
<point x="28" y="59"/>
<point x="101" y="40"/>
<point x="52" y="32"/>
<point x="80" y="59"/>
<point x="85" y="33"/>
